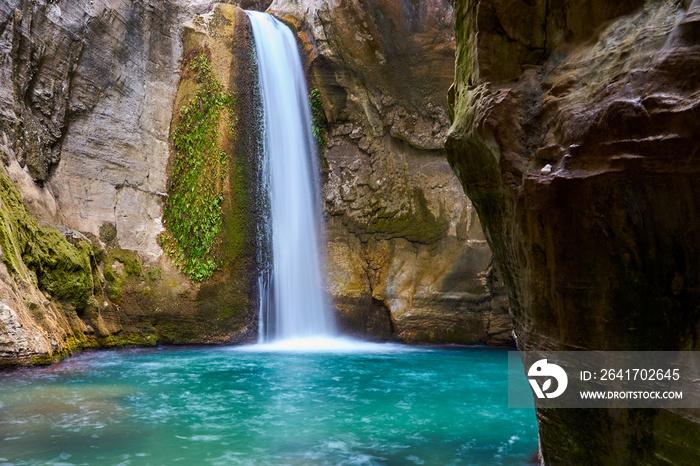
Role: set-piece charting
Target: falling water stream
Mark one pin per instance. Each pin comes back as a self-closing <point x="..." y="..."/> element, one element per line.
<point x="292" y="304"/>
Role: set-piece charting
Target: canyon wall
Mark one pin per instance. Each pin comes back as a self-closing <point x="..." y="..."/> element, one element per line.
<point x="93" y="126"/>
<point x="86" y="101"/>
<point x="575" y="131"/>
<point x="406" y="255"/>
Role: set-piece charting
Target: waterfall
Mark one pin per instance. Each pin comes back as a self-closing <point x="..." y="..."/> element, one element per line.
<point x="292" y="298"/>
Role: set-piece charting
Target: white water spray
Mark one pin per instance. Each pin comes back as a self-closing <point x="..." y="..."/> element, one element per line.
<point x="293" y="303"/>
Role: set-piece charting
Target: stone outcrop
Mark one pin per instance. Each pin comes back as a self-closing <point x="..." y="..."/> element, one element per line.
<point x="82" y="99"/>
<point x="86" y="102"/>
<point x="406" y="255"/>
<point x="575" y="133"/>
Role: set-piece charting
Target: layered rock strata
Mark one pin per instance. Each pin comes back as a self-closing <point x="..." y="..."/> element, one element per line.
<point x="406" y="255"/>
<point x="575" y="133"/>
<point x="86" y="102"/>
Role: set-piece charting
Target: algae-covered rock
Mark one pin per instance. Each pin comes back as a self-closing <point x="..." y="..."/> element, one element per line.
<point x="38" y="266"/>
<point x="41" y="255"/>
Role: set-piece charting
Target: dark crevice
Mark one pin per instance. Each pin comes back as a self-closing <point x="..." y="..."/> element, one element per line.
<point x="546" y="25"/>
<point x="33" y="76"/>
<point x="387" y="311"/>
<point x="4" y="24"/>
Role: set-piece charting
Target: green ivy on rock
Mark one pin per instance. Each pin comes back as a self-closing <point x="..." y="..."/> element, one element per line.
<point x="192" y="214"/>
<point x="318" y="125"/>
<point x="41" y="255"/>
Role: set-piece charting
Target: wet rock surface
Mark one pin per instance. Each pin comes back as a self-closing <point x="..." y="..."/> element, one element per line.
<point x="575" y="134"/>
<point x="407" y="259"/>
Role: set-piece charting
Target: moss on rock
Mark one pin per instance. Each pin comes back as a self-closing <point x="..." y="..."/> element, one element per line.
<point x="42" y="255"/>
<point x="192" y="214"/>
<point x="416" y="224"/>
<point x="91" y="293"/>
<point x="118" y="265"/>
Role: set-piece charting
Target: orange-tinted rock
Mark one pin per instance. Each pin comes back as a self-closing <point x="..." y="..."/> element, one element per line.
<point x="407" y="258"/>
<point x="600" y="251"/>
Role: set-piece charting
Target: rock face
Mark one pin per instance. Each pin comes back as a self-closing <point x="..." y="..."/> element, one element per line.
<point x="82" y="101"/>
<point x="575" y="133"/>
<point x="406" y="255"/>
<point x="86" y="102"/>
<point x="91" y="97"/>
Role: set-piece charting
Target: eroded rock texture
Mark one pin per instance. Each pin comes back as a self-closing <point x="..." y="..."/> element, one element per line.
<point x="601" y="250"/>
<point x="406" y="254"/>
<point x="86" y="102"/>
<point x="82" y="92"/>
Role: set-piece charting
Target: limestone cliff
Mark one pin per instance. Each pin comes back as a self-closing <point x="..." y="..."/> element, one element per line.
<point x="87" y="95"/>
<point x="575" y="133"/>
<point x="406" y="255"/>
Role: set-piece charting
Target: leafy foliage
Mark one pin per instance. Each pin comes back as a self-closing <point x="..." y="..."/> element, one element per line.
<point x="318" y="122"/>
<point x="192" y="213"/>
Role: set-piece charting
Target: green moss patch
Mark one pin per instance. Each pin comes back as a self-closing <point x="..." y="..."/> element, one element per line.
<point x="118" y="266"/>
<point x="193" y="209"/>
<point x="41" y="254"/>
<point x="417" y="224"/>
<point x="319" y="126"/>
<point x="236" y="220"/>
